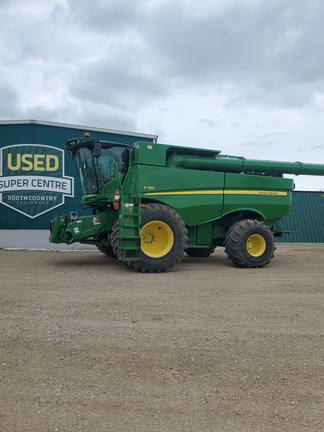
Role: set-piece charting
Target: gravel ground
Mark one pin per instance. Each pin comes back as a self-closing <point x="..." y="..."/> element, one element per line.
<point x="89" y="345"/>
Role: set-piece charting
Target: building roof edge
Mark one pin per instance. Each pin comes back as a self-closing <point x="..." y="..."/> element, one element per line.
<point x="72" y="126"/>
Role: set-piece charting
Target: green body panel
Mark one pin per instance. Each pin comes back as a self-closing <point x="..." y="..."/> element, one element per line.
<point x="196" y="196"/>
<point x="199" y="236"/>
<point x="142" y="154"/>
<point x="270" y="197"/>
<point x="204" y="196"/>
<point x="210" y="191"/>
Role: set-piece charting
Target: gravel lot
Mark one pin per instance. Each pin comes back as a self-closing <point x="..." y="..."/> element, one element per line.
<point x="90" y="345"/>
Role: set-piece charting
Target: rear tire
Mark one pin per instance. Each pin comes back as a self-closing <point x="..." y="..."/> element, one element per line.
<point x="249" y="243"/>
<point x="163" y="239"/>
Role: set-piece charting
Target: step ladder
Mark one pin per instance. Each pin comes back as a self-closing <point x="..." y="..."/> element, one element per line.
<point x="129" y="231"/>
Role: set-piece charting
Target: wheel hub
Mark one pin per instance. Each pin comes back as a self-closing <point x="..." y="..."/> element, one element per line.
<point x="156" y="239"/>
<point x="256" y="245"/>
<point x="148" y="238"/>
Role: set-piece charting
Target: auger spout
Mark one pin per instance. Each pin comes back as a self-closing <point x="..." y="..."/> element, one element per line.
<point x="240" y="164"/>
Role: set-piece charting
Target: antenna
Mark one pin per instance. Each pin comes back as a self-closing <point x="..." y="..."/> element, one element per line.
<point x="95" y="124"/>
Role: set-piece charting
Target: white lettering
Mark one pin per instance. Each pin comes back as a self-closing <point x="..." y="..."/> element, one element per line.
<point x="31" y="198"/>
<point x="48" y="184"/>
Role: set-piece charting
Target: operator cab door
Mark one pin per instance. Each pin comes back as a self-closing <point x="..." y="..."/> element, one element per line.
<point x="100" y="167"/>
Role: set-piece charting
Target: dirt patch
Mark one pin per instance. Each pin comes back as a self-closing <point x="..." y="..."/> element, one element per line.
<point x="90" y="345"/>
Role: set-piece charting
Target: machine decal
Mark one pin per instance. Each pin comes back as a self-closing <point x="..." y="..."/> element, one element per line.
<point x="96" y="220"/>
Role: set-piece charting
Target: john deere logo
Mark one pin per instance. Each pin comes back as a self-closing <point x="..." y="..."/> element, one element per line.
<point x="32" y="180"/>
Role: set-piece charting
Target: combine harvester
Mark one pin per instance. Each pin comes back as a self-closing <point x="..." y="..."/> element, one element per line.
<point x="151" y="203"/>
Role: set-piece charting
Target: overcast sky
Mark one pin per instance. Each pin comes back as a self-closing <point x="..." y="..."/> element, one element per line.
<point x="242" y="76"/>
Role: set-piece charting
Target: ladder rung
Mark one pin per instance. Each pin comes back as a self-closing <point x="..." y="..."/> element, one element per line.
<point x="132" y="214"/>
<point x="130" y="225"/>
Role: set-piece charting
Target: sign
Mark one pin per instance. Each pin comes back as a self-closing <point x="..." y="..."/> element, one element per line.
<point x="32" y="180"/>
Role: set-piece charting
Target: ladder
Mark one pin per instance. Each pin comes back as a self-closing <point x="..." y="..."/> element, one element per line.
<point x="129" y="231"/>
<point x="130" y="223"/>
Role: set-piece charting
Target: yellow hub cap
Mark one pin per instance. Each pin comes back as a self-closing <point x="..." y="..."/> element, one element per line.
<point x="256" y="245"/>
<point x="156" y="239"/>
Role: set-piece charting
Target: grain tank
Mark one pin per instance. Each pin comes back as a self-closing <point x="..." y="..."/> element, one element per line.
<point x="152" y="202"/>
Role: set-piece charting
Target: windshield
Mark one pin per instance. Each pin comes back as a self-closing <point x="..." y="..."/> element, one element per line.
<point x="113" y="160"/>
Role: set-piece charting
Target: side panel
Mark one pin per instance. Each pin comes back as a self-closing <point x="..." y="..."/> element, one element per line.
<point x="197" y="196"/>
<point x="269" y="196"/>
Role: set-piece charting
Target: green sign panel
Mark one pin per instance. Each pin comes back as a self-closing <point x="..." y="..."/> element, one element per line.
<point x="32" y="180"/>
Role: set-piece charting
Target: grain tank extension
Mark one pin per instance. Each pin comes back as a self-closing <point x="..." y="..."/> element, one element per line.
<point x="151" y="203"/>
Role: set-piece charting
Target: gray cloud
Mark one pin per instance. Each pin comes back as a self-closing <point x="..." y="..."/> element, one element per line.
<point x="120" y="87"/>
<point x="266" y="53"/>
<point x="113" y="17"/>
<point x="9" y="102"/>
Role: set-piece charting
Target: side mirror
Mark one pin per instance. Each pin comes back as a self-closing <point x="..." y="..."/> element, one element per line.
<point x="97" y="149"/>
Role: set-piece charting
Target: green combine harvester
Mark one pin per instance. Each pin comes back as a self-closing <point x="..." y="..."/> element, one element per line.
<point x="151" y="203"/>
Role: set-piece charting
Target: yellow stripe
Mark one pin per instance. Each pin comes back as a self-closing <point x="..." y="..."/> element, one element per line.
<point x="211" y="192"/>
<point x="254" y="192"/>
<point x="220" y="192"/>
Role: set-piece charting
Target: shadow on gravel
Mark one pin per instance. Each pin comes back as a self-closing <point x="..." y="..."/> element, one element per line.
<point x="84" y="259"/>
<point x="94" y="259"/>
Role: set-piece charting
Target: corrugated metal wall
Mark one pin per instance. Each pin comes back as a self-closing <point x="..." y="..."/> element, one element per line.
<point x="305" y="219"/>
<point x="52" y="135"/>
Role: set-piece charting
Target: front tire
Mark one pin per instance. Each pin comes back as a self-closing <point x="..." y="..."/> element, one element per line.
<point x="104" y="248"/>
<point x="249" y="243"/>
<point x="163" y="239"/>
<point x="107" y="250"/>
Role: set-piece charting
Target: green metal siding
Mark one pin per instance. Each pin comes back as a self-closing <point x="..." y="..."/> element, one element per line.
<point x="53" y="135"/>
<point x="305" y="219"/>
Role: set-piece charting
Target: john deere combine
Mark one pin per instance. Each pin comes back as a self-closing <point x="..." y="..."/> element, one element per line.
<point x="151" y="203"/>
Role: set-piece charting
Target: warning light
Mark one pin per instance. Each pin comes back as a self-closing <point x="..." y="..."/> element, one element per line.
<point x="87" y="134"/>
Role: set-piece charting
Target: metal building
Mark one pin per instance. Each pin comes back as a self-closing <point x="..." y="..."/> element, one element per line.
<point x="305" y="219"/>
<point x="37" y="179"/>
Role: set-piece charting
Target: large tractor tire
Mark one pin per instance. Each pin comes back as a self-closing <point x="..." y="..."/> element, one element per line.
<point x="200" y="252"/>
<point x="107" y="250"/>
<point x="115" y="244"/>
<point x="163" y="239"/>
<point x="249" y="243"/>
